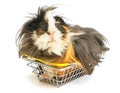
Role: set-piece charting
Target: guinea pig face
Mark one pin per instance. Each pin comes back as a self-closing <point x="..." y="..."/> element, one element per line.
<point x="49" y="33"/>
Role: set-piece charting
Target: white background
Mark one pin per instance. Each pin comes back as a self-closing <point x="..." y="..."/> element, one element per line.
<point x="103" y="15"/>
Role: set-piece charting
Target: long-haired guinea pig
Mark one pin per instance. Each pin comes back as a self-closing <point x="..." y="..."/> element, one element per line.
<point x="50" y="38"/>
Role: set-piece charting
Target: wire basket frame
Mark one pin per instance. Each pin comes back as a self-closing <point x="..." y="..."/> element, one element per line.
<point x="56" y="76"/>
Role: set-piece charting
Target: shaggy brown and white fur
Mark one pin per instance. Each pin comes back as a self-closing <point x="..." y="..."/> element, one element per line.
<point x="50" y="38"/>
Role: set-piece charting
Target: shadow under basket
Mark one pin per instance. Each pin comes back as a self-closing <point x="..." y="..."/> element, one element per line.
<point x="53" y="75"/>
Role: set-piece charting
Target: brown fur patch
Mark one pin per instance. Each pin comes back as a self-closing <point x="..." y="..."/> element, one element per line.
<point x="69" y="55"/>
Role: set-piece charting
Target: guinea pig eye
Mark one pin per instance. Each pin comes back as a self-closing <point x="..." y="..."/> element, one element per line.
<point x="59" y="20"/>
<point x="43" y="25"/>
<point x="33" y="25"/>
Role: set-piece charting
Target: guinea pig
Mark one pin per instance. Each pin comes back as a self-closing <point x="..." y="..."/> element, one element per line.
<point x="48" y="37"/>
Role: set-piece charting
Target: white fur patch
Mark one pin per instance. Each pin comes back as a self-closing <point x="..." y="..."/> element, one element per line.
<point x="43" y="41"/>
<point x="51" y="22"/>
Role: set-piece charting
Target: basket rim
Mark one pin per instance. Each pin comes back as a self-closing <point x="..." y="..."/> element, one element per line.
<point x="53" y="64"/>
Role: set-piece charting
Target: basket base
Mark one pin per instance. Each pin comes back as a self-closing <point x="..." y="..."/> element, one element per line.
<point x="56" y="76"/>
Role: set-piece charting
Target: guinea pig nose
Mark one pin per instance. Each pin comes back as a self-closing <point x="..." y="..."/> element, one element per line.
<point x="51" y="33"/>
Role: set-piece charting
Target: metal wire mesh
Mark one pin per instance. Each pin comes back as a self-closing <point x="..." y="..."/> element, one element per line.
<point x="56" y="76"/>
